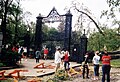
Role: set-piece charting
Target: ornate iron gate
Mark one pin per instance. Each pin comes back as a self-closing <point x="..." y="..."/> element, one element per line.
<point x="54" y="16"/>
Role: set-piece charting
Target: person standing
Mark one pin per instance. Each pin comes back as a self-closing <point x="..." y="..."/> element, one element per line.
<point x="37" y="55"/>
<point x="45" y="53"/>
<point x="66" y="60"/>
<point x="96" y="60"/>
<point x="106" y="66"/>
<point x="58" y="57"/>
<point x="63" y="53"/>
<point x="85" y="66"/>
<point x="24" y="55"/>
<point x="20" y="51"/>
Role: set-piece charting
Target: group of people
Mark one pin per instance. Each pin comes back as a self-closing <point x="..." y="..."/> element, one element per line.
<point x="62" y="56"/>
<point x="105" y="66"/>
<point x="22" y="51"/>
<point x="38" y="54"/>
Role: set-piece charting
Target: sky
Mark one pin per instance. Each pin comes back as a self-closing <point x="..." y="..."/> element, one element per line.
<point x="45" y="6"/>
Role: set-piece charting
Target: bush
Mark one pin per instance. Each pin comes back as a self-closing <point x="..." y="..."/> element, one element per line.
<point x="8" y="57"/>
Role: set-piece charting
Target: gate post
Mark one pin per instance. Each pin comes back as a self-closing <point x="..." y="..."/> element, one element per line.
<point x="83" y="47"/>
<point x="38" y="33"/>
<point x="68" y="28"/>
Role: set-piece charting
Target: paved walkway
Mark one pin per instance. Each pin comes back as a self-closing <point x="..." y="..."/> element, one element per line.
<point x="30" y="64"/>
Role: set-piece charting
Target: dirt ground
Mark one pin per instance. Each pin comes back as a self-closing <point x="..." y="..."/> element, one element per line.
<point x="115" y="77"/>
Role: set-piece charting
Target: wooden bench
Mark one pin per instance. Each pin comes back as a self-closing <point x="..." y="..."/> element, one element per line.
<point x="3" y="76"/>
<point x="41" y="65"/>
<point x="17" y="71"/>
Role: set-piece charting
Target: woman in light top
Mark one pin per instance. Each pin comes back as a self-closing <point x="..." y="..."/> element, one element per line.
<point x="96" y="60"/>
<point x="58" y="57"/>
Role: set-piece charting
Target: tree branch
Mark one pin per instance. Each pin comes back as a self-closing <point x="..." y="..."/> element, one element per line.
<point x="91" y="19"/>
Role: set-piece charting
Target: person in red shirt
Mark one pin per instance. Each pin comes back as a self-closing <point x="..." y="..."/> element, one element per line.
<point x="45" y="53"/>
<point x="66" y="60"/>
<point x="106" y="66"/>
<point x="15" y="49"/>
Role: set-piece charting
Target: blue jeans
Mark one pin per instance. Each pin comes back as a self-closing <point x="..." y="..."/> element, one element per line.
<point x="106" y="71"/>
<point x="96" y="69"/>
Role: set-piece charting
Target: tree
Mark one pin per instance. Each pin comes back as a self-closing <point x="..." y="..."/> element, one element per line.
<point x="84" y="11"/>
<point x="61" y="27"/>
<point x="75" y="39"/>
<point x="97" y="42"/>
<point x="13" y="25"/>
<point x="4" y="5"/>
<point x="113" y="12"/>
<point x="15" y="13"/>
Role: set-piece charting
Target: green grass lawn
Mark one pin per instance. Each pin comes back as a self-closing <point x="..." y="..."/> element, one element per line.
<point x="8" y="80"/>
<point x="115" y="63"/>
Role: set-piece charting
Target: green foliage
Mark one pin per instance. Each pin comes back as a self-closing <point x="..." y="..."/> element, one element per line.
<point x="115" y="63"/>
<point x="112" y="12"/>
<point x="75" y="39"/>
<point x="113" y="8"/>
<point x="60" y="75"/>
<point x="111" y="40"/>
<point x="9" y="57"/>
<point x="8" y="80"/>
<point x="12" y="21"/>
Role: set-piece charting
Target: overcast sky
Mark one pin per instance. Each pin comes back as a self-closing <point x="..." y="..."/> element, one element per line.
<point x="45" y="6"/>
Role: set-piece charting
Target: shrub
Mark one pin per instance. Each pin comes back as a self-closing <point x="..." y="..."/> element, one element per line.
<point x="8" y="57"/>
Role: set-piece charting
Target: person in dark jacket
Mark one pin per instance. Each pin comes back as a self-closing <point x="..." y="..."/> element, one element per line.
<point x="85" y="66"/>
<point x="37" y="55"/>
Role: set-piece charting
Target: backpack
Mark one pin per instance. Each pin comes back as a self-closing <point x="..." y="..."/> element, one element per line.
<point x="37" y="54"/>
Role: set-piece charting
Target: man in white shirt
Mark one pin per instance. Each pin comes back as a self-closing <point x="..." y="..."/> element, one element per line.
<point x="58" y="57"/>
<point x="96" y="60"/>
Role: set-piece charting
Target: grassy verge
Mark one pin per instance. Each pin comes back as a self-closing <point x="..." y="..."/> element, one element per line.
<point x="8" y="80"/>
<point x="115" y="63"/>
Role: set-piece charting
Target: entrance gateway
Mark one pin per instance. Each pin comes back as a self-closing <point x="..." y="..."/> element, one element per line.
<point x="52" y="17"/>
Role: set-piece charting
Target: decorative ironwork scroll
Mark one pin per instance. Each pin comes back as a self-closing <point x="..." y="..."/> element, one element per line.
<point x="53" y="16"/>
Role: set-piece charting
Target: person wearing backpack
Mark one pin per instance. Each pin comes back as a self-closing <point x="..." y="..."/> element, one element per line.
<point x="37" y="55"/>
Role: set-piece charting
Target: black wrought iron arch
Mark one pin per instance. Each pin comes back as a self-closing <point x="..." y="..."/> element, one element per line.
<point x="52" y="17"/>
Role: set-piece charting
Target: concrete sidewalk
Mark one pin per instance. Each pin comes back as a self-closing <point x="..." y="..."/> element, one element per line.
<point x="32" y="72"/>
